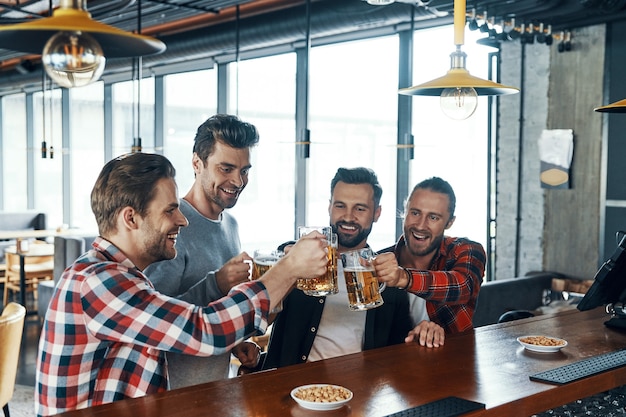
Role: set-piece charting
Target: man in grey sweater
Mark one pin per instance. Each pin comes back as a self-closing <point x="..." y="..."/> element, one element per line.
<point x="209" y="260"/>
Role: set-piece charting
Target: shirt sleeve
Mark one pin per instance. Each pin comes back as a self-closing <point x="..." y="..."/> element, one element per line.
<point x="459" y="282"/>
<point x="167" y="275"/>
<point x="121" y="305"/>
<point x="203" y="291"/>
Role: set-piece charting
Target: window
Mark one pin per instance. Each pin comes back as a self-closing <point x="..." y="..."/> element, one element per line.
<point x="48" y="172"/>
<point x="353" y="100"/>
<point x="190" y="99"/>
<point x="353" y="117"/>
<point x="87" y="150"/>
<point x="14" y="152"/>
<point x="266" y="98"/>
<point x="453" y="150"/>
<point x="126" y="116"/>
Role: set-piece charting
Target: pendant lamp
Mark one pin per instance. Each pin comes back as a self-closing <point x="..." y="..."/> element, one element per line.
<point x="74" y="47"/>
<point x="458" y="89"/>
<point x="44" y="144"/>
<point x="51" y="108"/>
<point x="137" y="64"/>
<point x="617" y="107"/>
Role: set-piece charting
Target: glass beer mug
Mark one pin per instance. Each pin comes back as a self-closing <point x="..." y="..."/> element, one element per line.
<point x="364" y="291"/>
<point x="262" y="261"/>
<point x="327" y="283"/>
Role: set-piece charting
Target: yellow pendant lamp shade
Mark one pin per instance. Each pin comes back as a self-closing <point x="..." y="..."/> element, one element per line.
<point x="459" y="77"/>
<point x="458" y="89"/>
<point x="73" y="46"/>
<point x="32" y="36"/>
<point x="617" y="107"/>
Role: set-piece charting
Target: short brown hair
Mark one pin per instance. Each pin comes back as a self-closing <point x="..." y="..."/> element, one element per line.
<point x="127" y="181"/>
<point x="226" y="128"/>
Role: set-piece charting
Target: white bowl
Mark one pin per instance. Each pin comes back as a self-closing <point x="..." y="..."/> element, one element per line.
<point x="542" y="348"/>
<point x="320" y="406"/>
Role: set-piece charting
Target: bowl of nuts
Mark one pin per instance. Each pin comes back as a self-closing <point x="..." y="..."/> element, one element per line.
<point x="543" y="344"/>
<point x="321" y="396"/>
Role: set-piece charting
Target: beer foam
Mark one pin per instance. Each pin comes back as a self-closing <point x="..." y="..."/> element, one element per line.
<point x="266" y="261"/>
<point x="357" y="269"/>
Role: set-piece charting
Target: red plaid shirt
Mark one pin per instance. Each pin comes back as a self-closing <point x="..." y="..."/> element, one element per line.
<point x="450" y="287"/>
<point x="106" y="331"/>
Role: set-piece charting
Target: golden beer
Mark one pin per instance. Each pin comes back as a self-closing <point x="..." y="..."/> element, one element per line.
<point x="325" y="284"/>
<point x="262" y="261"/>
<point x="363" y="288"/>
<point x="262" y="264"/>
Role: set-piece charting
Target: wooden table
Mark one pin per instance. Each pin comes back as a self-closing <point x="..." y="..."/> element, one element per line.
<point x="37" y="234"/>
<point x="485" y="365"/>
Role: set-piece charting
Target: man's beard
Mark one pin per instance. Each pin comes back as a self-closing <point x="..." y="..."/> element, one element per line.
<point x="156" y="247"/>
<point x="223" y="204"/>
<point x="214" y="196"/>
<point x="350" y="241"/>
<point x="434" y="245"/>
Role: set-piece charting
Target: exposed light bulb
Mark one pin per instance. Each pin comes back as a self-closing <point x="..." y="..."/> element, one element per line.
<point x="458" y="103"/>
<point x="380" y="2"/>
<point x="73" y="59"/>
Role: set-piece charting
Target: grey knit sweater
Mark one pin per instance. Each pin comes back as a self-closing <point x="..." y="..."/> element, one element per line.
<point x="202" y="248"/>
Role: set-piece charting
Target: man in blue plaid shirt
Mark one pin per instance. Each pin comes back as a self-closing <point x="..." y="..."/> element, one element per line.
<point x="107" y="328"/>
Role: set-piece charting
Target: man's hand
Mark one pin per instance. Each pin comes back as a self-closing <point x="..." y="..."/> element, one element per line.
<point x="427" y="334"/>
<point x="233" y="272"/>
<point x="248" y="354"/>
<point x="389" y="272"/>
<point x="308" y="257"/>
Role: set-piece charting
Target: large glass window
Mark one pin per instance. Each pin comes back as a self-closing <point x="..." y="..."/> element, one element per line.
<point x="190" y="99"/>
<point x="353" y="122"/>
<point x="126" y="116"/>
<point x="87" y="150"/>
<point x="14" y="152"/>
<point x="266" y="98"/>
<point x="48" y="171"/>
<point x="353" y="99"/>
<point x="453" y="150"/>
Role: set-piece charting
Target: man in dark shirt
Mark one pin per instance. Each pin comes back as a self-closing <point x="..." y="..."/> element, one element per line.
<point x="314" y="328"/>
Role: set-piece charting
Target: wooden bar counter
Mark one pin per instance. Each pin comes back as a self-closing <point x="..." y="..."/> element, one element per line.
<point x="486" y="365"/>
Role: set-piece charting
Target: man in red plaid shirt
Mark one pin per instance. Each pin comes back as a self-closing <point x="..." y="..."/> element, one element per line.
<point x="107" y="329"/>
<point x="445" y="271"/>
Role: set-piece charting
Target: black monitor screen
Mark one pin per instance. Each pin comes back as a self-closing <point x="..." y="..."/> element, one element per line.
<point x="609" y="285"/>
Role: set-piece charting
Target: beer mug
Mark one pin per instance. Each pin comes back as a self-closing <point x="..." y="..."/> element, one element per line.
<point x="262" y="261"/>
<point x="364" y="292"/>
<point x="327" y="283"/>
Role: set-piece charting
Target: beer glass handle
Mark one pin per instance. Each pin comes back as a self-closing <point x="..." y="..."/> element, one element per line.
<point x="250" y="267"/>
<point x="382" y="286"/>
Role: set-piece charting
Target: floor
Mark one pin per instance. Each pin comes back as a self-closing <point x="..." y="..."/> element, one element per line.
<point x="28" y="353"/>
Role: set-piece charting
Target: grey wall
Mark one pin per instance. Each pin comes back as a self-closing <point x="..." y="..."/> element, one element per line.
<point x="557" y="230"/>
<point x="572" y="225"/>
<point x="520" y="199"/>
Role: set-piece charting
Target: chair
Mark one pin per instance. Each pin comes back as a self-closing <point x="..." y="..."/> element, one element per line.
<point x="36" y="269"/>
<point x="515" y="315"/>
<point x="3" y="275"/>
<point x="11" y="328"/>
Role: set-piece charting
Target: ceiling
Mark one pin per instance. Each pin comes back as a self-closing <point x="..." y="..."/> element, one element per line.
<point x="198" y="27"/>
